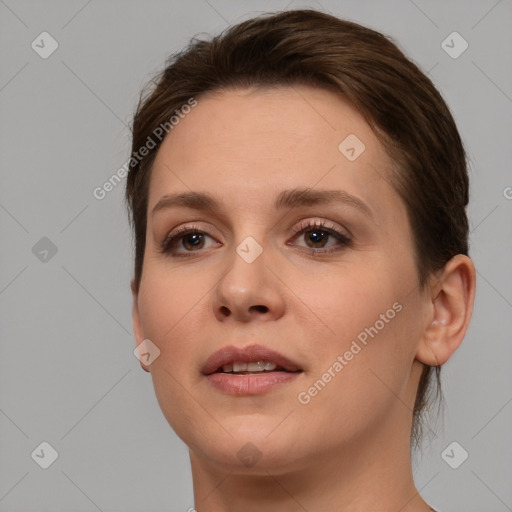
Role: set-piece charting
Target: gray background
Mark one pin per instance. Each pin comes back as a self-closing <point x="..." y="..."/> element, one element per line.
<point x="68" y="375"/>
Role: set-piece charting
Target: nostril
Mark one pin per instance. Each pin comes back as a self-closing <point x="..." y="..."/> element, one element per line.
<point x="262" y="309"/>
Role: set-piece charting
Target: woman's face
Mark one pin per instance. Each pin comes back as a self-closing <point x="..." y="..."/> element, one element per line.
<point x="339" y="300"/>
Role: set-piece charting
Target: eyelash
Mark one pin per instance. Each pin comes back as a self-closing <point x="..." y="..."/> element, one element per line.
<point x="166" y="247"/>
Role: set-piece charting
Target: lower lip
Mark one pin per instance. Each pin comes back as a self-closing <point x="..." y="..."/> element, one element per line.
<point x="254" y="384"/>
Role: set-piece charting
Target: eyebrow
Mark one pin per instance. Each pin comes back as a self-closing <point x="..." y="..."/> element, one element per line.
<point x="287" y="199"/>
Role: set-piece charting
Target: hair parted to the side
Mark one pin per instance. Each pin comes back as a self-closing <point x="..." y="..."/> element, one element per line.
<point x="398" y="101"/>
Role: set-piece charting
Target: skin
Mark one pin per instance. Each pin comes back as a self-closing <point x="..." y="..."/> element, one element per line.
<point x="348" y="448"/>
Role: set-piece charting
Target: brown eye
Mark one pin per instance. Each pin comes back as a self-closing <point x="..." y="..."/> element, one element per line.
<point x="317" y="236"/>
<point x="184" y="241"/>
<point x="192" y="241"/>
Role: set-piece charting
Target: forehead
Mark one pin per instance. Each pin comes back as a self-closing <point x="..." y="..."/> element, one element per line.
<point x="247" y="145"/>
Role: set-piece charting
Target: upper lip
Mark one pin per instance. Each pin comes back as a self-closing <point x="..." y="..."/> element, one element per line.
<point x="232" y="354"/>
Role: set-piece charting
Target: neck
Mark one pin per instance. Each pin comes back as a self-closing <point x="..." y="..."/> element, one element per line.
<point x="372" y="473"/>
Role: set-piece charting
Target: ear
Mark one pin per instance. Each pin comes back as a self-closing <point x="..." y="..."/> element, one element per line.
<point x="137" y="327"/>
<point x="451" y="296"/>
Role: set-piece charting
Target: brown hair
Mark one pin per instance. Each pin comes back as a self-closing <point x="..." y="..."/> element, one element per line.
<point x="398" y="101"/>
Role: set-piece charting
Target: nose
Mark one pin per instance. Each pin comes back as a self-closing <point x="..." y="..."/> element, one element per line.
<point x="248" y="291"/>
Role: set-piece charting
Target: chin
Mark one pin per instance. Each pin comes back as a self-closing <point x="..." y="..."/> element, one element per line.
<point x="255" y="444"/>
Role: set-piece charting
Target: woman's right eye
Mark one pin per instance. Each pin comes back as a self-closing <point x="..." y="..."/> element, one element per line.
<point x="189" y="238"/>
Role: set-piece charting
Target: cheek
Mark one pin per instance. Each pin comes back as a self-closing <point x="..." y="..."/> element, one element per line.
<point x="369" y="320"/>
<point x="168" y="308"/>
<point x="169" y="299"/>
<point x="169" y="304"/>
<point x="361" y="374"/>
<point x="347" y="302"/>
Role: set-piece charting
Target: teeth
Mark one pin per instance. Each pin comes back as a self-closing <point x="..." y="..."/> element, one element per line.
<point x="239" y="367"/>
<point x="253" y="366"/>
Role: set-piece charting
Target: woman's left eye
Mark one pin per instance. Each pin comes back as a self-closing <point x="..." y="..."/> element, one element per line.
<point x="192" y="239"/>
<point x="316" y="235"/>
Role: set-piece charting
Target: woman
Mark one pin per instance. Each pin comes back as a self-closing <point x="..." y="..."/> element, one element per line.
<point x="297" y="191"/>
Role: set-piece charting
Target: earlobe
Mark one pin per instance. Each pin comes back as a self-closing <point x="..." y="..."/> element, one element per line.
<point x="451" y="305"/>
<point x="137" y="327"/>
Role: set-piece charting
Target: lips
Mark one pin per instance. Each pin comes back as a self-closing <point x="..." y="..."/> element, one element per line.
<point x="229" y="356"/>
<point x="249" y="371"/>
